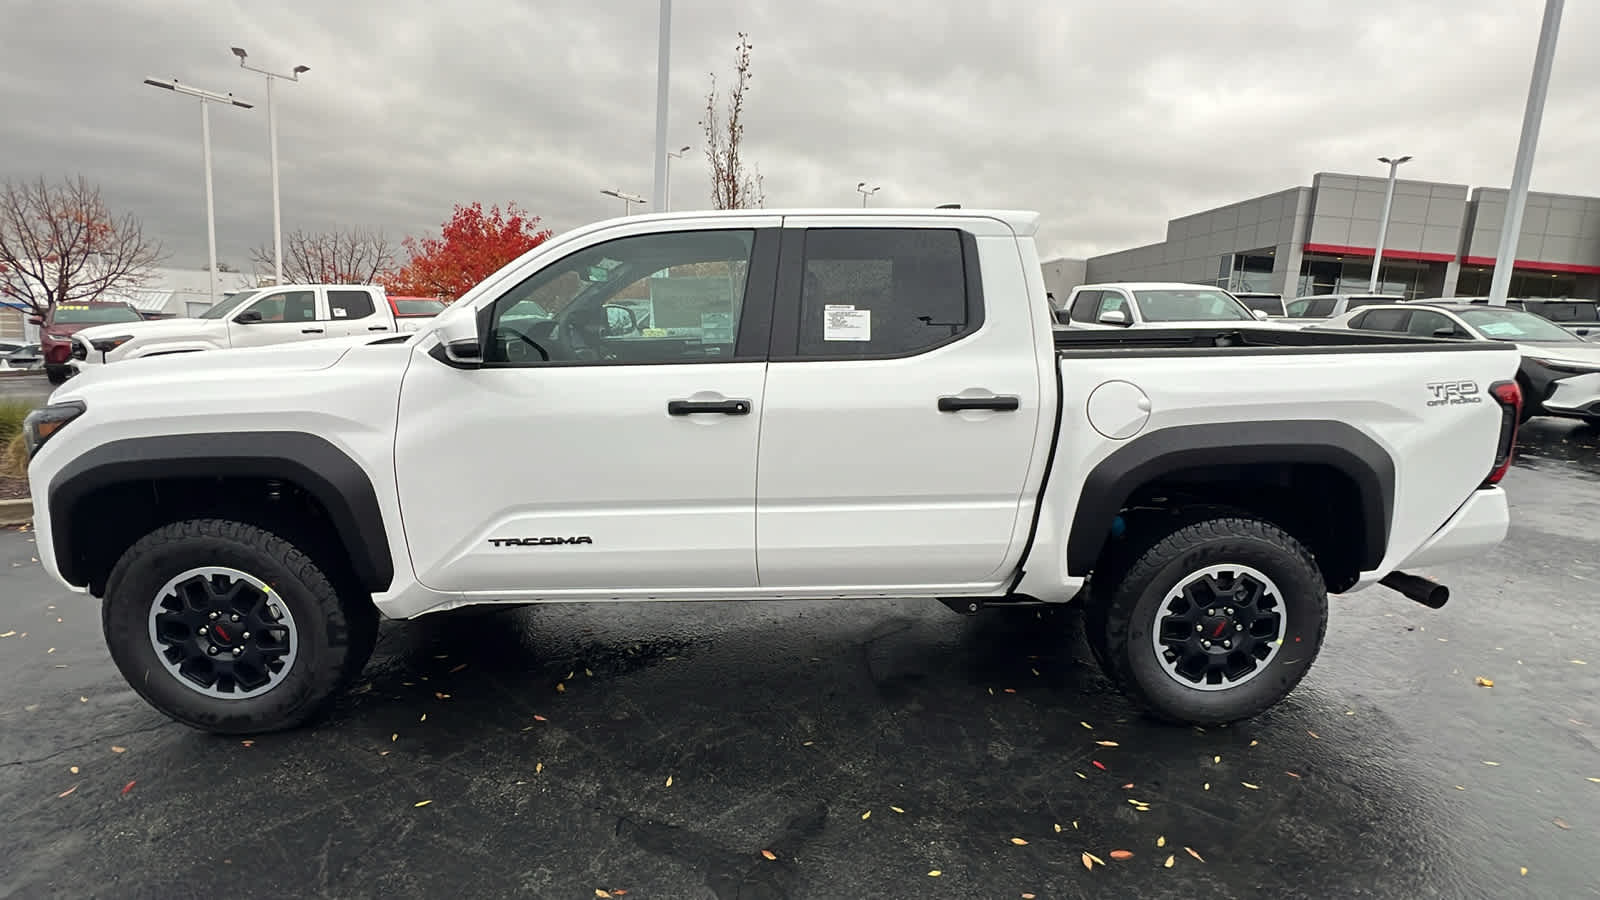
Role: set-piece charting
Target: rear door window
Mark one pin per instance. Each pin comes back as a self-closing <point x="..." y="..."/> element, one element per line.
<point x="350" y="304"/>
<point x="1391" y="320"/>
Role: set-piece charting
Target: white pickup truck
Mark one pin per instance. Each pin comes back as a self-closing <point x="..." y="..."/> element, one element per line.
<point x="847" y="405"/>
<point x="1152" y="304"/>
<point x="256" y="318"/>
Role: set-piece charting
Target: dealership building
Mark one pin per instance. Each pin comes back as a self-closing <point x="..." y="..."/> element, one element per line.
<point x="1441" y="242"/>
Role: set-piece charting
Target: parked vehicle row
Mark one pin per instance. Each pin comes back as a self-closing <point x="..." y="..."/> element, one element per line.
<point x="277" y="315"/>
<point x="64" y="320"/>
<point x="850" y="404"/>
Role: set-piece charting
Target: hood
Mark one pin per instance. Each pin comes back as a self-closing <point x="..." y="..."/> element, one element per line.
<point x="300" y="356"/>
<point x="1581" y="353"/>
<point x="71" y="328"/>
<point x="150" y="328"/>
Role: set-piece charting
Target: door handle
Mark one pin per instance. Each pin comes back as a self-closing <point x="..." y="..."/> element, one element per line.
<point x="725" y="407"/>
<point x="1003" y="403"/>
<point x="311" y="331"/>
<point x="377" y="328"/>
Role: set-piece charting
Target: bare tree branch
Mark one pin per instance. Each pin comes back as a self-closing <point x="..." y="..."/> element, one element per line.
<point x="352" y="256"/>
<point x="59" y="244"/>
<point x="732" y="187"/>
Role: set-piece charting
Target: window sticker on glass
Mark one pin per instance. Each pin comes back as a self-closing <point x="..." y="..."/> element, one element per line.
<point x="846" y="323"/>
<point x="599" y="273"/>
<point x="340" y="313"/>
<point x="1501" y="329"/>
<point x="716" y="328"/>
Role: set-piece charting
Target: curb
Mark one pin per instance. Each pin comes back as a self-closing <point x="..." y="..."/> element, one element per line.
<point x="16" y="512"/>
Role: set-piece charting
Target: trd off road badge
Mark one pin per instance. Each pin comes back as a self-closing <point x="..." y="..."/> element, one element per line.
<point x="1452" y="393"/>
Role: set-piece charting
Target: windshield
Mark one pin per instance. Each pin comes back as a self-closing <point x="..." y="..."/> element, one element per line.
<point x="1198" y="305"/>
<point x="1515" y="325"/>
<point x="221" y="310"/>
<point x="410" y="306"/>
<point x="94" y="314"/>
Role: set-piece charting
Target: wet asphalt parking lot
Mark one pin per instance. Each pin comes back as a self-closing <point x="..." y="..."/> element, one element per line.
<point x="657" y="751"/>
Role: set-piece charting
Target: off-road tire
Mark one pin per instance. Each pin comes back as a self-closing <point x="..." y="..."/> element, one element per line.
<point x="336" y="627"/>
<point x="57" y="374"/>
<point x="1125" y="597"/>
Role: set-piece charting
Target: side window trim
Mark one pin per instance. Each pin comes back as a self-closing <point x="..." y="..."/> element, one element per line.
<point x="327" y="307"/>
<point x="755" y="314"/>
<point x="1081" y="303"/>
<point x="787" y="310"/>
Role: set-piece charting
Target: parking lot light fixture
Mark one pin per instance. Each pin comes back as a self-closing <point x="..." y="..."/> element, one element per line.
<point x="1383" y="224"/>
<point x="272" y="143"/>
<point x="627" y="199"/>
<point x="206" y="99"/>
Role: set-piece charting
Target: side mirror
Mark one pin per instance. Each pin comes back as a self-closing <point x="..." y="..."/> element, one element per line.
<point x="1062" y="317"/>
<point x="1261" y="315"/>
<point x="620" y="321"/>
<point x="1114" y="317"/>
<point x="36" y="320"/>
<point x="1444" y="332"/>
<point x="248" y="316"/>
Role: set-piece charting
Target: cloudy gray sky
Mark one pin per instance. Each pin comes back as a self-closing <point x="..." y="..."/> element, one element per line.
<point x="1109" y="118"/>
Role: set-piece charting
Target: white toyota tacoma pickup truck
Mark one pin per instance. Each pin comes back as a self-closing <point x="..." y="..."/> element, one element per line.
<point x="284" y="314"/>
<point x="847" y="405"/>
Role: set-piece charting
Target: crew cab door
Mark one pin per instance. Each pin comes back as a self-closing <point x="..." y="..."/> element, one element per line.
<point x="356" y="311"/>
<point x="586" y="456"/>
<point x="904" y="407"/>
<point x="279" y="317"/>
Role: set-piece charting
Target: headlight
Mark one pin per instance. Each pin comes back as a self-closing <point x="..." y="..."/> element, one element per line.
<point x="58" y="337"/>
<point x="106" y="345"/>
<point x="42" y="424"/>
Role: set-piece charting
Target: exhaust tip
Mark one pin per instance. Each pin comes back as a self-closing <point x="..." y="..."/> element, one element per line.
<point x="1426" y="591"/>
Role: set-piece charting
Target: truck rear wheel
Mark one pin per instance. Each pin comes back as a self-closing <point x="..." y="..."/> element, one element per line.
<point x="1216" y="621"/>
<point x="230" y="629"/>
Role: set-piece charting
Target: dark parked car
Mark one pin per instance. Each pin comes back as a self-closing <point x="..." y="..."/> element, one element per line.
<point x="65" y="320"/>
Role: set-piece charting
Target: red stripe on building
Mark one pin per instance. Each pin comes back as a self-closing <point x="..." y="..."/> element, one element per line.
<point x="1413" y="255"/>
<point x="1533" y="265"/>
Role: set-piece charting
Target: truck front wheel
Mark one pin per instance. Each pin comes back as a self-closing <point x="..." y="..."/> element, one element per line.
<point x="1215" y="621"/>
<point x="231" y="629"/>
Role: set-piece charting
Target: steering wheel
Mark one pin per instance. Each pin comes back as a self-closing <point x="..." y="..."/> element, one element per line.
<point x="518" y="352"/>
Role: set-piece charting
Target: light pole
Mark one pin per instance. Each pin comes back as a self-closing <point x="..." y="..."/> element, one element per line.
<point x="663" y="68"/>
<point x="866" y="192"/>
<point x="1506" y="259"/>
<point x="1383" y="225"/>
<point x="666" y="202"/>
<point x="628" y="200"/>
<point x="272" y="140"/>
<point x="206" y="99"/>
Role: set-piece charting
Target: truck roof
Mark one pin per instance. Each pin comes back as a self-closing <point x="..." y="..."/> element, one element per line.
<point x="1148" y="285"/>
<point x="1025" y="223"/>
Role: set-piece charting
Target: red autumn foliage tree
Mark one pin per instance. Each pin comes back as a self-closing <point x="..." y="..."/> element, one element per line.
<point x="471" y="246"/>
<point x="61" y="244"/>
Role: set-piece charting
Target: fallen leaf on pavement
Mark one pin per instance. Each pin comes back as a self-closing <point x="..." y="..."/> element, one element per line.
<point x="588" y="673"/>
<point x="116" y="749"/>
<point x="1087" y="725"/>
<point x="1027" y="897"/>
<point x="1480" y="681"/>
<point x="538" y="767"/>
<point x="538" y="718"/>
<point x="669" y="781"/>
<point x="934" y="873"/>
<point x="247" y="743"/>
<point x="83" y="699"/>
<point x="1595" y="780"/>
<point x="67" y="792"/>
<point x="1122" y="854"/>
<point x="1191" y="852"/>
<point x="1313" y="734"/>
<point x="898" y="809"/>
<point x="1524" y="870"/>
<point x="1488" y="763"/>
<point x="561" y="688"/>
<point x="1058" y="828"/>
<point x="73" y="770"/>
<point x="1019" y="842"/>
<point x="458" y="668"/>
<point x="394" y="737"/>
<point x="129" y="786"/>
<point x="1035" y="672"/>
<point x="1088" y="861"/>
<point x="1253" y="743"/>
<point x="1107" y="743"/>
<point x="1206" y="786"/>
<point x="437" y="695"/>
<point x="769" y="854"/>
<point x="866" y="815"/>
<point x="1097" y="859"/>
<point x="1563" y="825"/>
<point x="1169" y="862"/>
<point x="383" y="752"/>
<point x="424" y="718"/>
<point x="1011" y="690"/>
<point x="1216" y="759"/>
<point x="604" y="895"/>
<point x="1098" y="764"/>
<point x="1161" y="841"/>
<point x="1578" y="662"/>
<point x="421" y="804"/>
<point x="1081" y="775"/>
<point x="8" y="634"/>
<point x="1252" y="787"/>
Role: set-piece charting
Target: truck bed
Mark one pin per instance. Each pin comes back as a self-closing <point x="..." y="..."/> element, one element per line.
<point x="1205" y="341"/>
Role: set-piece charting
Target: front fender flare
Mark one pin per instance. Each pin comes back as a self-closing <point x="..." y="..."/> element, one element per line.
<point x="323" y="470"/>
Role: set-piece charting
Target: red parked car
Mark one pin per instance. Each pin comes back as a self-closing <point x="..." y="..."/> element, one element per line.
<point x="408" y="310"/>
<point x="64" y="320"/>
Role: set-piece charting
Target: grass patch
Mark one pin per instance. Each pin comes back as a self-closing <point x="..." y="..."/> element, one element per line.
<point x="13" y="454"/>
